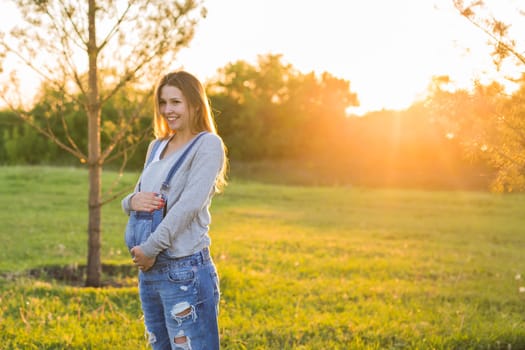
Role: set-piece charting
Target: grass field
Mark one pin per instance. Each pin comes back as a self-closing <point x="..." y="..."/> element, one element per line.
<point x="300" y="267"/>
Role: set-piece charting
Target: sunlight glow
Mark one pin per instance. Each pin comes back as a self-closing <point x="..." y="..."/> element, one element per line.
<point x="388" y="50"/>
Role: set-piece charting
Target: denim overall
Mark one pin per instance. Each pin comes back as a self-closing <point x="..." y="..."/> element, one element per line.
<point x="142" y="223"/>
<point x="179" y="296"/>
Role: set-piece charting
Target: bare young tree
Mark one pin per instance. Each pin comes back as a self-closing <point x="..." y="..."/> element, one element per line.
<point x="89" y="52"/>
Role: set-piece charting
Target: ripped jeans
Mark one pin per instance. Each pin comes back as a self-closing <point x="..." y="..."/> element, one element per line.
<point x="180" y="302"/>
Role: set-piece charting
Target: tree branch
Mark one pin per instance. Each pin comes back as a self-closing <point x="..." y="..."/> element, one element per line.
<point x="68" y="135"/>
<point x="131" y="74"/>
<point x="507" y="157"/>
<point x="115" y="183"/>
<point x="62" y="32"/>
<point x="44" y="8"/>
<point x="75" y="28"/>
<point x="116" y="195"/>
<point x="144" y="136"/>
<point x="469" y="15"/>
<point x="46" y="78"/>
<point x="116" y="27"/>
<point x="123" y="131"/>
<point x="49" y="134"/>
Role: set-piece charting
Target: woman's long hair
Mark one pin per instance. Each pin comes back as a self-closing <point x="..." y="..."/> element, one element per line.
<point x="201" y="117"/>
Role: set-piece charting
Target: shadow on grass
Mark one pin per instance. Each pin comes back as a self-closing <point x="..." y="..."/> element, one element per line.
<point x="75" y="275"/>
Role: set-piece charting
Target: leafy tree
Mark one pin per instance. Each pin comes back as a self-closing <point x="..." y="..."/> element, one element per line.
<point x="8" y="123"/>
<point x="89" y="51"/>
<point x="498" y="120"/>
<point x="271" y="110"/>
<point x="27" y="145"/>
<point x="321" y="103"/>
<point x="490" y="126"/>
<point x="249" y="99"/>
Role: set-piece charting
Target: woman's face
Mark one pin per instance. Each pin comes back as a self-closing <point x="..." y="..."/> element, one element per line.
<point x="174" y="107"/>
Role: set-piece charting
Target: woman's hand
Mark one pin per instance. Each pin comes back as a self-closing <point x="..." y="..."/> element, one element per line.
<point x="143" y="262"/>
<point x="146" y="201"/>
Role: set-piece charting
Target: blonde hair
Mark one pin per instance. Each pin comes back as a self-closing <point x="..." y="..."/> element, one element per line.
<point x="201" y="117"/>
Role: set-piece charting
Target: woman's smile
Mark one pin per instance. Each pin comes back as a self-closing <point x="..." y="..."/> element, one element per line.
<point x="173" y="106"/>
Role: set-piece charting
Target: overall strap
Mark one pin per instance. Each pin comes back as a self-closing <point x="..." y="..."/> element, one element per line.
<point x="165" y="185"/>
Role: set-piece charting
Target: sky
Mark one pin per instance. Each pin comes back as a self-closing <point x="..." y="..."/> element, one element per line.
<point x="388" y="50"/>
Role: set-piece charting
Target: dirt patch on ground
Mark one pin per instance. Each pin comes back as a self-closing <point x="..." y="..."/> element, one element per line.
<point x="75" y="275"/>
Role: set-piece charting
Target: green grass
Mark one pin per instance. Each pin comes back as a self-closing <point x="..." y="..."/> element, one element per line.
<point x="300" y="267"/>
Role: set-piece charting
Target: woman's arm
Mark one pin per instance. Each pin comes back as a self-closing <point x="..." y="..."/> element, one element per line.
<point x="205" y="166"/>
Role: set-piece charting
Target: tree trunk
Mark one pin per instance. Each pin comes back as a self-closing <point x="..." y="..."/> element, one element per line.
<point x="94" y="265"/>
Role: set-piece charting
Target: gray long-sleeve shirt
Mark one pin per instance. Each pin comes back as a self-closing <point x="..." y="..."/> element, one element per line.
<point x="184" y="230"/>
